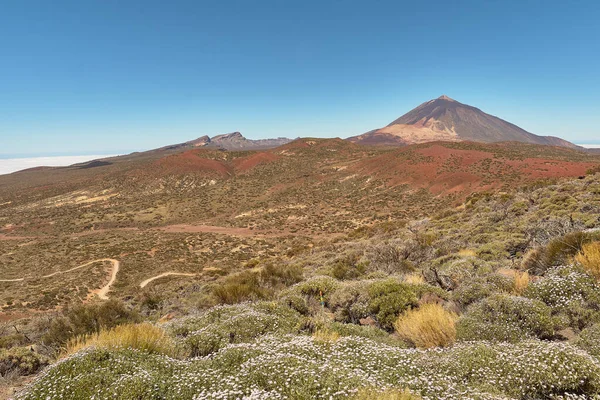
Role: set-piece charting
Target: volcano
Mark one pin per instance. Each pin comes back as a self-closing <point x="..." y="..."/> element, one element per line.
<point x="445" y="119"/>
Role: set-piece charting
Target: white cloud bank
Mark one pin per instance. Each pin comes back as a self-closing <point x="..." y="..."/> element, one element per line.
<point x="590" y="146"/>
<point x="16" y="164"/>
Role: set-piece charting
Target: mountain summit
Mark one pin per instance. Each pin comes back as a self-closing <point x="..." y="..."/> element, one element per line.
<point x="446" y="119"/>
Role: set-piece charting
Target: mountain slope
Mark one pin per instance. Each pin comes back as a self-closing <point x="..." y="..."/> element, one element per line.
<point x="229" y="141"/>
<point x="448" y="120"/>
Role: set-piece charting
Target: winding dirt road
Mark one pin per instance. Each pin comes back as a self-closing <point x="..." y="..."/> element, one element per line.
<point x="147" y="281"/>
<point x="102" y="292"/>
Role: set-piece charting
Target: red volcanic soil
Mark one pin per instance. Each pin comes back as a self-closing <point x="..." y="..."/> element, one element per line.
<point x="245" y="164"/>
<point x="445" y="169"/>
<point x="193" y="161"/>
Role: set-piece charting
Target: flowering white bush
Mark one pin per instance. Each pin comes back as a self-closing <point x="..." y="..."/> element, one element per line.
<point x="298" y="367"/>
<point x="204" y="334"/>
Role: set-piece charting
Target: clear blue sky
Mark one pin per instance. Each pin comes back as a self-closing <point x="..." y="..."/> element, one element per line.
<point x="112" y="75"/>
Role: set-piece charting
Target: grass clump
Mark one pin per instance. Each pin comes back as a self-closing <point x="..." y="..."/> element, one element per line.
<point x="589" y="259"/>
<point x="144" y="337"/>
<point x="428" y="326"/>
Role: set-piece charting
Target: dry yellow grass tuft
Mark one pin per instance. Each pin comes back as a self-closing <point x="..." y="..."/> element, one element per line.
<point x="428" y="326"/>
<point x="589" y="259"/>
<point x="326" y="336"/>
<point x="467" y="253"/>
<point x="389" y="394"/>
<point x="145" y="337"/>
<point x="521" y="282"/>
<point x="414" y="279"/>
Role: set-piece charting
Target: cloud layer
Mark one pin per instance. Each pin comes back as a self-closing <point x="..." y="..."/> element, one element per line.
<point x="16" y="164"/>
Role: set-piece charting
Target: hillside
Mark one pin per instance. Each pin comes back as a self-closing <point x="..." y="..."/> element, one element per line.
<point x="170" y="233"/>
<point x="445" y="119"/>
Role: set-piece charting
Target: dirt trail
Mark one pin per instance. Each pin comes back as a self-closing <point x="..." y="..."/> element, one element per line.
<point x="102" y="292"/>
<point x="147" y="281"/>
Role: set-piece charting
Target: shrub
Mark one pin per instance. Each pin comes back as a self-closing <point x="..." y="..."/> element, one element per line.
<point x="389" y="258"/>
<point x="428" y="326"/>
<point x="571" y="293"/>
<point x="316" y="286"/>
<point x="506" y="318"/>
<point x="348" y="267"/>
<point x="240" y="287"/>
<point x="350" y="302"/>
<point x="87" y="319"/>
<point x="589" y="259"/>
<point x="280" y="275"/>
<point x="589" y="340"/>
<point x="480" y="287"/>
<point x="8" y="341"/>
<point x="144" y="337"/>
<point x="298" y="367"/>
<point x="389" y="298"/>
<point x="205" y="334"/>
<point x="22" y="360"/>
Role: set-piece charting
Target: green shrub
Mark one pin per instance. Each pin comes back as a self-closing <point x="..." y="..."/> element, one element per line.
<point x="480" y="287"/>
<point x="316" y="286"/>
<point x="388" y="299"/>
<point x="589" y="340"/>
<point x="240" y="287"/>
<point x="571" y="293"/>
<point x="256" y="285"/>
<point x="22" y="360"/>
<point x="204" y="334"/>
<point x="87" y="319"/>
<point x="506" y="318"/>
<point x="348" y="267"/>
<point x="277" y="275"/>
<point x="350" y="302"/>
<point x="301" y="367"/>
<point x="8" y="341"/>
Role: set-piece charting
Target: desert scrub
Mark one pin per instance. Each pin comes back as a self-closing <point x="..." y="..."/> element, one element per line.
<point x="388" y="298"/>
<point x="589" y="259"/>
<point x="300" y="367"/>
<point x="313" y="288"/>
<point x="428" y="326"/>
<point x="144" y="337"/>
<point x="214" y="329"/>
<point x="573" y="295"/>
<point x="558" y="251"/>
<point x="21" y="360"/>
<point x="479" y="287"/>
<point x="87" y="319"/>
<point x="350" y="303"/>
<point x="589" y="340"/>
<point x="506" y="318"/>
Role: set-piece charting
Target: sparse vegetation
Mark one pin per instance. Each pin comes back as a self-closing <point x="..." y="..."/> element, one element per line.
<point x="307" y="290"/>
